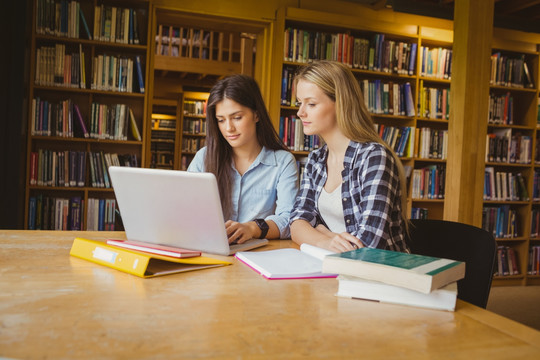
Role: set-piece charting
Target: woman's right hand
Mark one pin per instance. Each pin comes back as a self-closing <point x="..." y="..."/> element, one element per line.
<point x="344" y="242"/>
<point x="339" y="242"/>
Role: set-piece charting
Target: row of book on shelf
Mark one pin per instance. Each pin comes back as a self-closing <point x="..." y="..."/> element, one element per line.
<point x="428" y="182"/>
<point x="68" y="168"/>
<point x="504" y="186"/>
<point x="56" y="66"/>
<point x="510" y="71"/>
<point x="376" y="54"/>
<point x="506" y="261"/>
<point x="433" y="103"/>
<point x="367" y="273"/>
<point x="501" y="109"/>
<point x="501" y="221"/>
<point x="406" y="141"/>
<point x="504" y="147"/>
<point x="424" y="142"/>
<point x="380" y="97"/>
<point x="194" y="126"/>
<point x="291" y="131"/>
<point x="534" y="260"/>
<point x="107" y="121"/>
<point x="64" y="18"/>
<point x="195" y="107"/>
<point x="419" y="213"/>
<point x="188" y="42"/>
<point x="192" y="145"/>
<point x="57" y="213"/>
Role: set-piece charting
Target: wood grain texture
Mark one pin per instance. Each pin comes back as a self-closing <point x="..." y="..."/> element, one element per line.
<point x="473" y="29"/>
<point x="57" y="306"/>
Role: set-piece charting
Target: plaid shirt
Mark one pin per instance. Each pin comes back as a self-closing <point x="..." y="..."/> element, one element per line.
<point x="370" y="191"/>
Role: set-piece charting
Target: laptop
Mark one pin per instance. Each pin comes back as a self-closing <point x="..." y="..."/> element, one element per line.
<point x="174" y="208"/>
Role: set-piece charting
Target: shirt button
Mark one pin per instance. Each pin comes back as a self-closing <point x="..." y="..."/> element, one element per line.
<point x="348" y="221"/>
<point x="344" y="199"/>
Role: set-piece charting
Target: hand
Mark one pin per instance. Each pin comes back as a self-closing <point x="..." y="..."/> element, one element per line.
<point x="241" y="232"/>
<point x="344" y="242"/>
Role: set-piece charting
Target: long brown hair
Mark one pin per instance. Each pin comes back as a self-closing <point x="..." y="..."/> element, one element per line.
<point x="244" y="90"/>
<point x="353" y="118"/>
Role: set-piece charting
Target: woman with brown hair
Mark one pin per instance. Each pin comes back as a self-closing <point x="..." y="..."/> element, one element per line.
<point x="256" y="174"/>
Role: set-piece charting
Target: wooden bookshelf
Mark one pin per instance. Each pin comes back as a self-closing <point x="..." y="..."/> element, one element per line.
<point x="400" y="36"/>
<point x="193" y="121"/>
<point x="190" y="52"/>
<point x="525" y="113"/>
<point x="514" y="112"/>
<point x="67" y="78"/>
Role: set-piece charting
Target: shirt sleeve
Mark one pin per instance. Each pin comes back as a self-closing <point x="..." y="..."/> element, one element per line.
<point x="305" y="206"/>
<point x="287" y="188"/>
<point x="197" y="164"/>
<point x="380" y="190"/>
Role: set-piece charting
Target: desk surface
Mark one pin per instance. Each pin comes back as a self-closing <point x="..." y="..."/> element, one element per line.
<point x="56" y="306"/>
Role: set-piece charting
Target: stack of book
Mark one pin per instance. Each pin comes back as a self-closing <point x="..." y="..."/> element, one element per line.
<point x="398" y="278"/>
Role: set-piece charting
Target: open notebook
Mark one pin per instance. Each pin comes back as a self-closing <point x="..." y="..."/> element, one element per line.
<point x="287" y="263"/>
<point x="173" y="208"/>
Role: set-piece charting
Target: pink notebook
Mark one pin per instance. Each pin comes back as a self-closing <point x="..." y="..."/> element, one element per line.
<point x="154" y="249"/>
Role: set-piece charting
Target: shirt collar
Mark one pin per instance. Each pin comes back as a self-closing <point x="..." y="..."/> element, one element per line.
<point x="266" y="157"/>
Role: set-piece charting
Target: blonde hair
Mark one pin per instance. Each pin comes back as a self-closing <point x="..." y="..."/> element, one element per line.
<point x="353" y="119"/>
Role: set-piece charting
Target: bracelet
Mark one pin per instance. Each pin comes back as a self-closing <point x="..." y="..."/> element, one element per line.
<point x="263" y="226"/>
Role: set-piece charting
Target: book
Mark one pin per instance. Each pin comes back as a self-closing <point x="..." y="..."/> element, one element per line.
<point x="357" y="288"/>
<point x="81" y="121"/>
<point x="134" y="129"/>
<point x="139" y="74"/>
<point x="411" y="271"/>
<point x="137" y="263"/>
<point x="85" y="24"/>
<point x="154" y="248"/>
<point x="281" y="264"/>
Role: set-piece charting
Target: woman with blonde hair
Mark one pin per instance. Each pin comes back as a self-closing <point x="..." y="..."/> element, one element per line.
<point x="353" y="190"/>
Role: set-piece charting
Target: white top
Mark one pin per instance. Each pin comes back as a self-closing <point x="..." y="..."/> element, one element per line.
<point x="331" y="210"/>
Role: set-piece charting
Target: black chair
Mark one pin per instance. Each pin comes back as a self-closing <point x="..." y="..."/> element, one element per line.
<point x="452" y="240"/>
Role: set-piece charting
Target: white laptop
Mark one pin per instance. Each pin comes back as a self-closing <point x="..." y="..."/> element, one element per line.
<point x="174" y="208"/>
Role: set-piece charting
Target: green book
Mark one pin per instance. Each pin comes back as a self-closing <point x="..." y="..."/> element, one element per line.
<point x="411" y="271"/>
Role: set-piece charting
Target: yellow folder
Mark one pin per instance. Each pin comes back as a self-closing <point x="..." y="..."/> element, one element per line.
<point x="138" y="263"/>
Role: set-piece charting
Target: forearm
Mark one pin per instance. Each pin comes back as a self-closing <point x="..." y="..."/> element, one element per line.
<point x="273" y="231"/>
<point x="302" y="232"/>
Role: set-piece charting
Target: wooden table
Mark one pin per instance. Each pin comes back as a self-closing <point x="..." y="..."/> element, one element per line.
<point x="59" y="307"/>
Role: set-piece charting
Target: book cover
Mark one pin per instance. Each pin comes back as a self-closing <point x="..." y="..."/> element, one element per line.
<point x="282" y="264"/>
<point x="139" y="73"/>
<point x="412" y="271"/>
<point x="81" y="121"/>
<point x="134" y="129"/>
<point x="154" y="248"/>
<point x="138" y="263"/>
<point x="357" y="288"/>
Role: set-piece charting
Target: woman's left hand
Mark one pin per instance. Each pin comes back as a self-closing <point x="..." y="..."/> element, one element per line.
<point x="241" y="232"/>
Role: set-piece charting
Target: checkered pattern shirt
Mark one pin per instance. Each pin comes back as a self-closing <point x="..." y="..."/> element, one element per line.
<point x="370" y="191"/>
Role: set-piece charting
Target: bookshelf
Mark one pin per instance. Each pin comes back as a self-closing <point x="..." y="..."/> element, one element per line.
<point x="511" y="160"/>
<point x="389" y="76"/>
<point x="430" y="87"/>
<point x="193" y="125"/>
<point x="190" y="52"/>
<point x="87" y="109"/>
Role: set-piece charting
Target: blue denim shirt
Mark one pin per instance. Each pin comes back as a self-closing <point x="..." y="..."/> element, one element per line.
<point x="267" y="190"/>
